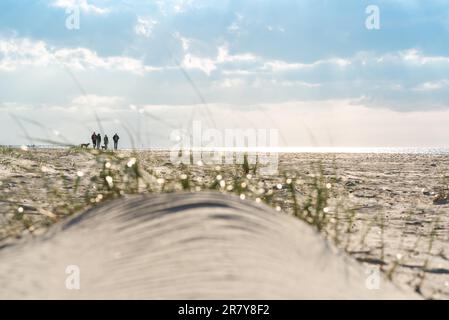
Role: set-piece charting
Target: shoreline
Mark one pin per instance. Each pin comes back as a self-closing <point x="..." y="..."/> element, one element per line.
<point x="279" y="150"/>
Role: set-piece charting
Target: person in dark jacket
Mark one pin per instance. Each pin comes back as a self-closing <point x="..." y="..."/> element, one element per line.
<point x="115" y="138"/>
<point x="98" y="140"/>
<point x="106" y="141"/>
<point x="94" y="140"/>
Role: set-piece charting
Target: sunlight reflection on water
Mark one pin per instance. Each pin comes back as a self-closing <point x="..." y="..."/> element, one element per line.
<point x="391" y="150"/>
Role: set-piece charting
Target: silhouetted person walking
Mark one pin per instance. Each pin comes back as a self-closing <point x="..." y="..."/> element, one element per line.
<point x="115" y="138"/>
<point x="98" y="141"/>
<point x="106" y="141"/>
<point x="94" y="140"/>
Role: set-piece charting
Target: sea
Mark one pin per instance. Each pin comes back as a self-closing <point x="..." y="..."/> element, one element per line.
<point x="391" y="150"/>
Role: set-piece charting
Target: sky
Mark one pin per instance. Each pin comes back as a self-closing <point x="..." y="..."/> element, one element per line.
<point x="316" y="70"/>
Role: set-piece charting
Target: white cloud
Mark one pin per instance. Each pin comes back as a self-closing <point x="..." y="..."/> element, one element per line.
<point x="83" y="5"/>
<point x="167" y="7"/>
<point x="411" y="56"/>
<point x="275" y="28"/>
<point x="224" y="56"/>
<point x="96" y="101"/>
<point x="256" y="64"/>
<point x="235" y="27"/>
<point x="17" y="53"/>
<point x="279" y="65"/>
<point x="433" y="85"/>
<point x="238" y="72"/>
<point x="297" y="83"/>
<point x="264" y="83"/>
<point x="185" y="42"/>
<point x="144" y="26"/>
<point x="84" y="104"/>
<point x="416" y="56"/>
<point x="348" y="122"/>
<point x="204" y="64"/>
<point x="229" y="83"/>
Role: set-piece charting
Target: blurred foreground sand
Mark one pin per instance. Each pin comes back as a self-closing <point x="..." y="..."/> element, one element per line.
<point x="396" y="191"/>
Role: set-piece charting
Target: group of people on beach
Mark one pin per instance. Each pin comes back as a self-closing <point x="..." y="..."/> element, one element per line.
<point x="96" y="141"/>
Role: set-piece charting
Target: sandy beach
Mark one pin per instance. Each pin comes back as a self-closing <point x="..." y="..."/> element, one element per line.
<point x="386" y="211"/>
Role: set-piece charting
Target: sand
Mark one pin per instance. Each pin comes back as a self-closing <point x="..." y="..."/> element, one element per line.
<point x="397" y="224"/>
<point x="185" y="246"/>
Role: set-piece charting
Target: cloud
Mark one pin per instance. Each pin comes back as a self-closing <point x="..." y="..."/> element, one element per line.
<point x="432" y="85"/>
<point x="335" y="122"/>
<point x="238" y="72"/>
<point x="185" y="42"/>
<point x="144" y="26"/>
<point x="95" y="101"/>
<point x="415" y="56"/>
<point x="207" y="64"/>
<point x="275" y="28"/>
<point x="224" y="56"/>
<point x="15" y="53"/>
<point x="181" y="5"/>
<point x="204" y="64"/>
<point x="278" y="65"/>
<point x="236" y="26"/>
<point x="305" y="84"/>
<point x="22" y="52"/>
<point x="263" y="83"/>
<point x="248" y="63"/>
<point x="85" y="104"/>
<point x="175" y="7"/>
<point x="232" y="82"/>
<point x="83" y="5"/>
<point x="384" y="81"/>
